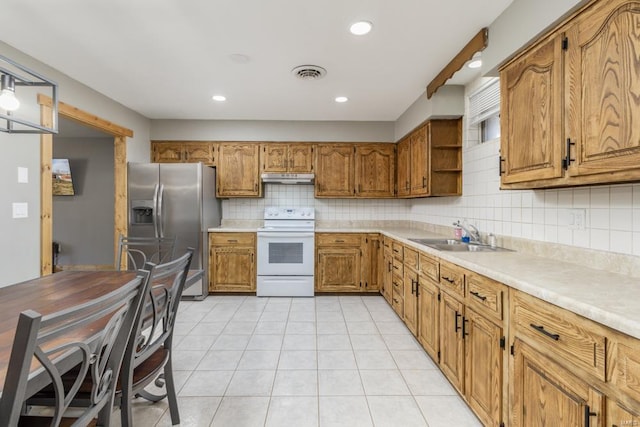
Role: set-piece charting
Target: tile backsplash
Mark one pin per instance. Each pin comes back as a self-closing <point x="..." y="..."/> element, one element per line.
<point x="612" y="212"/>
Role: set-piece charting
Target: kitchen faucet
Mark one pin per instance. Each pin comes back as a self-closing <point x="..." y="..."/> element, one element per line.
<point x="471" y="230"/>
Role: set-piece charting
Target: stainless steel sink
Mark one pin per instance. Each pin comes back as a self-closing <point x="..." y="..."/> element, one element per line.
<point x="451" y="245"/>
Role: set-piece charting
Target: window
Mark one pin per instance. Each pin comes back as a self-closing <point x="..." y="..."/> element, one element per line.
<point x="484" y="111"/>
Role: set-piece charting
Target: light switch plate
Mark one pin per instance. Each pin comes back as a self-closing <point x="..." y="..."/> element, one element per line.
<point x="20" y="210"/>
<point x="573" y="219"/>
<point x="23" y="175"/>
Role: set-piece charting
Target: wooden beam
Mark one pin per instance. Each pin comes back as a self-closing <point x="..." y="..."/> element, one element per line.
<point x="120" y="184"/>
<point x="46" y="193"/>
<point x="75" y="114"/>
<point x="478" y="43"/>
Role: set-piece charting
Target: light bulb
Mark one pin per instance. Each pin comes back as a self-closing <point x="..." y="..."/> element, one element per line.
<point x="361" y="28"/>
<point x="8" y="100"/>
<point x="476" y="63"/>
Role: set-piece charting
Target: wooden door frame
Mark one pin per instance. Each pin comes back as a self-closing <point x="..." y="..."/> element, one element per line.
<point x="120" y="135"/>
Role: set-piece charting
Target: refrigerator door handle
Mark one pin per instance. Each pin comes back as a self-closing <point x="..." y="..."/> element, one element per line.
<point x="156" y="189"/>
<point x="160" y="218"/>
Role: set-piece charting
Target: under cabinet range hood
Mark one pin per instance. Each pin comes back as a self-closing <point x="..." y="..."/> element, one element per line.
<point x="288" y="178"/>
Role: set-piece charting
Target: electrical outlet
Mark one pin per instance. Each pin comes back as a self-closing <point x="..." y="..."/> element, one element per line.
<point x="573" y="219"/>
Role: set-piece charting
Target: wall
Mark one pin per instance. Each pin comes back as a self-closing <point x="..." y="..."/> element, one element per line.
<point x="326" y="209"/>
<point x="260" y="130"/>
<point x="20" y="260"/>
<point x="83" y="223"/>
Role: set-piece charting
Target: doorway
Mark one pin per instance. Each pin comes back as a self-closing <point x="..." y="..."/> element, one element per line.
<point x="119" y="135"/>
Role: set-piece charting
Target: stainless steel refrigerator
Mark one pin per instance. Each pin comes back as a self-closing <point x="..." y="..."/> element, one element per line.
<point x="167" y="200"/>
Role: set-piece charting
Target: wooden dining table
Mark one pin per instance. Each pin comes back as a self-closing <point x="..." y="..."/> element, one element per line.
<point x="49" y="294"/>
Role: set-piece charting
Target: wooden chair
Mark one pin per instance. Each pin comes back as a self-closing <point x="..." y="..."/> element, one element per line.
<point x="87" y="341"/>
<point x="148" y="353"/>
<point x="138" y="251"/>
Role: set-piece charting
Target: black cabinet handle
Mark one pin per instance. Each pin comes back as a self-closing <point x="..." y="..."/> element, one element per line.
<point x="448" y="279"/>
<point x="457" y="328"/>
<point x="464" y="327"/>
<point x="587" y="416"/>
<point x="477" y="295"/>
<point x="389" y="266"/>
<point x="567" y="160"/>
<point x="414" y="287"/>
<point x="339" y="241"/>
<point x="500" y="160"/>
<point x="543" y="331"/>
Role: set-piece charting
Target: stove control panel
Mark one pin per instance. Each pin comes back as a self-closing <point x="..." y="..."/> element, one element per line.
<point x="289" y="213"/>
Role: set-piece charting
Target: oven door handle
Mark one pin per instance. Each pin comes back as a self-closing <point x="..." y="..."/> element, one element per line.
<point x="284" y="234"/>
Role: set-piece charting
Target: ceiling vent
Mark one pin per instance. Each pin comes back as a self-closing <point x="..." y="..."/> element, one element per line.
<point x="309" y="72"/>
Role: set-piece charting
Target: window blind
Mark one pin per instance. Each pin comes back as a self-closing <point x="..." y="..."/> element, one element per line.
<point x="485" y="102"/>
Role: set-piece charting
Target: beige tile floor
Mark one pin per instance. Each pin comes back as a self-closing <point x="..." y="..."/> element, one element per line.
<point x="326" y="361"/>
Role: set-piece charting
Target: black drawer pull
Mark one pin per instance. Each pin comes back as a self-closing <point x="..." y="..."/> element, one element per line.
<point x="232" y="240"/>
<point x="390" y="266"/>
<point x="457" y="328"/>
<point x="545" y="332"/>
<point x="339" y="241"/>
<point x="396" y="267"/>
<point x="448" y="279"/>
<point x="477" y="295"/>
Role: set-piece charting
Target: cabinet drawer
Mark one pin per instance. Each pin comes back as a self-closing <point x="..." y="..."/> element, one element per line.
<point x="411" y="258"/>
<point x="429" y="266"/>
<point x="396" y="248"/>
<point x="398" y="267"/>
<point x="452" y="278"/>
<point x="338" y="239"/>
<point x="567" y="337"/>
<point x="232" y="238"/>
<point x="486" y="295"/>
<point x="397" y="302"/>
<point x="398" y="285"/>
<point x="386" y="242"/>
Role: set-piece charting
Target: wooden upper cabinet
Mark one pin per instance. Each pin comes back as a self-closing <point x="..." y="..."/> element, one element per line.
<point x="335" y="170"/>
<point x="419" y="182"/>
<point x="375" y="170"/>
<point x="531" y="114"/>
<point x="300" y="158"/>
<point x="239" y="170"/>
<point x="292" y="158"/>
<point x="404" y="167"/>
<point x="183" y="152"/>
<point x="603" y="78"/>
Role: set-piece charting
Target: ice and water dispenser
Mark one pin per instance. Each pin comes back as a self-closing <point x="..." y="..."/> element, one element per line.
<point x="141" y="212"/>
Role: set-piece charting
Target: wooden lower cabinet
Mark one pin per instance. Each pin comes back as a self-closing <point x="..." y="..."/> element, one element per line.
<point x="348" y="262"/>
<point x="484" y="372"/>
<point x="451" y="341"/>
<point x="387" y="272"/>
<point x="428" y="313"/>
<point x="410" y="297"/>
<point x="619" y="416"/>
<point x="546" y="394"/>
<point x="232" y="262"/>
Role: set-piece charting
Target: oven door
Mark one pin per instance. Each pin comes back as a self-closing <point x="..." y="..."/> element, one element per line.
<point x="287" y="253"/>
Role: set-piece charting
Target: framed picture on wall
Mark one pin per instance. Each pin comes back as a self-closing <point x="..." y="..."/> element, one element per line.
<point x="62" y="182"/>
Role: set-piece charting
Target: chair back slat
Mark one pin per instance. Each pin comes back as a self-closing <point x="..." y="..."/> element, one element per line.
<point x="138" y="251"/>
<point x="88" y="340"/>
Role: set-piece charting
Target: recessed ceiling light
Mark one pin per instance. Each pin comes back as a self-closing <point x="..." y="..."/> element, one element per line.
<point x="360" y="28"/>
<point x="476" y="63"/>
<point x="341" y="99"/>
<point x="219" y="98"/>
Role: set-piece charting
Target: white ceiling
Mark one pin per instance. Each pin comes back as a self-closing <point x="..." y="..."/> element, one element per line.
<point x="166" y="58"/>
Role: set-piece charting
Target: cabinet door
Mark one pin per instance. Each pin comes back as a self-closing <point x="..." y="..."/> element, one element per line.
<point x="373" y="263"/>
<point x="618" y="416"/>
<point x="429" y="322"/>
<point x="195" y="152"/>
<point x="375" y="170"/>
<point x="239" y="170"/>
<point x="451" y="343"/>
<point x="420" y="162"/>
<point x="167" y="152"/>
<point x="603" y="77"/>
<point x="334" y="170"/>
<point x="531" y="115"/>
<point x="300" y="159"/>
<point x="411" y="300"/>
<point x="338" y="269"/>
<point x="232" y="269"/>
<point x="274" y="157"/>
<point x="387" y="276"/>
<point x="483" y="367"/>
<point x="404" y="167"/>
<point x="547" y="395"/>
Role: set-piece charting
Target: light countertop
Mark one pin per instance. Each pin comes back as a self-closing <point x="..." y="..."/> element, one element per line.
<point x="608" y="298"/>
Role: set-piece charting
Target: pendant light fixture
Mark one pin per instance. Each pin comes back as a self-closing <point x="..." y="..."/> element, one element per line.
<point x="20" y="88"/>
